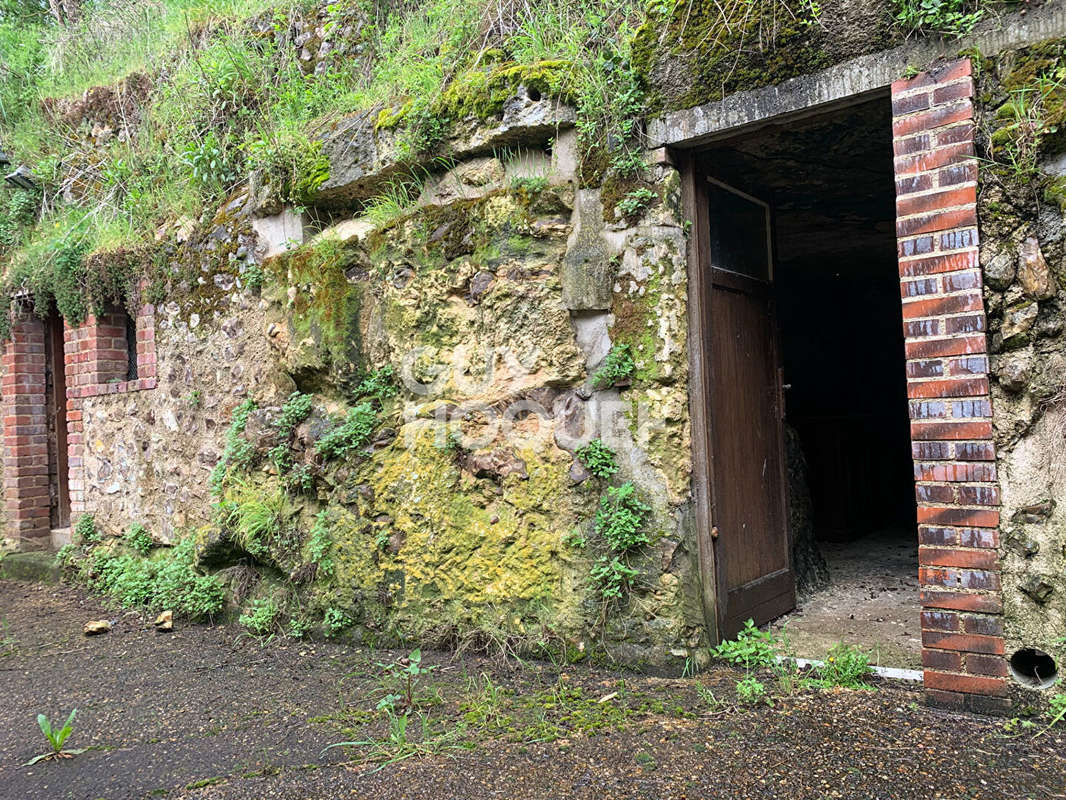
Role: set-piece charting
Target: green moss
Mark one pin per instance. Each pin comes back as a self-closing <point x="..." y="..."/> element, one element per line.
<point x="392" y="116"/>
<point x="727" y="47"/>
<point x="461" y="559"/>
<point x="482" y="92"/>
<point x="324" y="311"/>
<point x="1055" y="192"/>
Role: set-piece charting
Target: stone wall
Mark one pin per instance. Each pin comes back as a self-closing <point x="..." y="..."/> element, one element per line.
<point x="468" y="515"/>
<point x="1023" y="255"/>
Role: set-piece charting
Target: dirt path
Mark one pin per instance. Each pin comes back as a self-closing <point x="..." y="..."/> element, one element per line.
<point x="207" y="713"/>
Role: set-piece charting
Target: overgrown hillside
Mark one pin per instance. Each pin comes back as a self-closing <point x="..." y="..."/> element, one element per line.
<point x="136" y="113"/>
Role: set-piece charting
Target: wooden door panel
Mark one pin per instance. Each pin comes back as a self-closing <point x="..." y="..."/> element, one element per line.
<point x="744" y="410"/>
<point x="752" y="555"/>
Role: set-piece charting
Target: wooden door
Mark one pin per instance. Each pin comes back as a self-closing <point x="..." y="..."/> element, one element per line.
<point x="56" y="417"/>
<point x="747" y="472"/>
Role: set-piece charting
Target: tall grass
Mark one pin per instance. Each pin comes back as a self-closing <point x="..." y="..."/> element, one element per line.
<point x="229" y="98"/>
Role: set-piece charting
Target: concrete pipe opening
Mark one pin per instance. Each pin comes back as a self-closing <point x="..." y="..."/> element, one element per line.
<point x="1032" y="667"/>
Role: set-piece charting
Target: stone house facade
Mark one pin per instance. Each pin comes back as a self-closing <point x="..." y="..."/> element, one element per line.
<point x="497" y="300"/>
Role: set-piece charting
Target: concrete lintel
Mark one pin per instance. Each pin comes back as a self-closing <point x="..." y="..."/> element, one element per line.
<point x="851" y="81"/>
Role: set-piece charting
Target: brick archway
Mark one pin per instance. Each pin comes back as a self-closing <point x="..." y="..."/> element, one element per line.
<point x="947" y="386"/>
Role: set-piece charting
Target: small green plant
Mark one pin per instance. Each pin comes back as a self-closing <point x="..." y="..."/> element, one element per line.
<point x="334" y="621"/>
<point x="85" y="530"/>
<point x="262" y="617"/>
<point x="708" y="697"/>
<point x="293" y="412"/>
<point x="56" y="738"/>
<point x="320" y="545"/>
<point x="381" y="541"/>
<point x="949" y="17"/>
<point x="239" y="453"/>
<point x="617" y="368"/>
<point x="208" y="163"/>
<point x="620" y="518"/>
<point x="349" y="435"/>
<point x="846" y="665"/>
<point x="598" y="459"/>
<point x="195" y="398"/>
<point x="751" y="649"/>
<point x="752" y="692"/>
<point x="66" y="556"/>
<point x="138" y="538"/>
<point x="280" y="456"/>
<point x="529" y="186"/>
<point x="379" y="384"/>
<point x="635" y="202"/>
<point x="576" y="539"/>
<point x="1057" y="708"/>
<point x="612" y="576"/>
<point x="299" y="628"/>
<point x="300" y="479"/>
<point x="407" y="670"/>
<point x="254" y="276"/>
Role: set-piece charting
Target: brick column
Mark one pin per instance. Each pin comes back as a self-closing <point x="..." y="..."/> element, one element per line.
<point x="26" y="434"/>
<point x="96" y="356"/>
<point x="947" y="383"/>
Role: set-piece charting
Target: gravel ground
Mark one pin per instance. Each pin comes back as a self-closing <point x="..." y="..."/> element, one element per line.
<point x="871" y="601"/>
<point x="207" y="713"/>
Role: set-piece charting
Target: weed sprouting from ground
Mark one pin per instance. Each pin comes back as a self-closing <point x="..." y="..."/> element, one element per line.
<point x="846" y="666"/>
<point x="261" y="618"/>
<point x="167" y="582"/>
<point x="85" y="530"/>
<point x="138" y="538"/>
<point x="752" y="648"/>
<point x="56" y="738"/>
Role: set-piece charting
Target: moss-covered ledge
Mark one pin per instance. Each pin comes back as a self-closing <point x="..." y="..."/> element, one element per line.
<point x="846" y="80"/>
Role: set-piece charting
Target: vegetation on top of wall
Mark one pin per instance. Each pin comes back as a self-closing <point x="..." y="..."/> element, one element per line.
<point x="1026" y="121"/>
<point x="727" y="47"/>
<point x="948" y="17"/>
<point x="135" y="116"/>
<point x="192" y="98"/>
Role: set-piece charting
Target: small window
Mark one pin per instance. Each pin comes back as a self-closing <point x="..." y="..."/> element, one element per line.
<point x="131" y="347"/>
<point x="740" y="232"/>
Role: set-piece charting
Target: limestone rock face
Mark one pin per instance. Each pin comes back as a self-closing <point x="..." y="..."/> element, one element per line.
<point x="364" y="157"/>
<point x="588" y="273"/>
<point x="1017" y="322"/>
<point x="1033" y="272"/>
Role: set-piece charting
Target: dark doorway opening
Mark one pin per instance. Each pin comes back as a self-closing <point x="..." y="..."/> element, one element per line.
<point x="829" y="182"/>
<point x="56" y="421"/>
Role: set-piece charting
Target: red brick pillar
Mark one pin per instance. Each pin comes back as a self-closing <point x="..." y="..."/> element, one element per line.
<point x="96" y="355"/>
<point x="26" y="434"/>
<point x="947" y="382"/>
